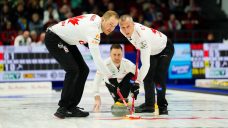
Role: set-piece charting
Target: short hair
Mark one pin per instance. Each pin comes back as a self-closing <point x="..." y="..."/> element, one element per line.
<point x="110" y="14"/>
<point x="116" y="46"/>
<point x="125" y="17"/>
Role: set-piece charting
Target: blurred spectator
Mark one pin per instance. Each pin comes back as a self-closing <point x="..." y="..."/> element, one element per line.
<point x="5" y="15"/>
<point x="193" y="7"/>
<point x="189" y="22"/>
<point x="60" y="3"/>
<point x="75" y="3"/>
<point x="23" y="40"/>
<point x="88" y="5"/>
<point x="41" y="3"/>
<point x="111" y="6"/>
<point x="96" y="10"/>
<point x="41" y="39"/>
<point x="103" y="5"/>
<point x="50" y="22"/>
<point x="36" y="23"/>
<point x="120" y="6"/>
<point x="134" y="12"/>
<point x="173" y="23"/>
<point x="50" y="13"/>
<point x="176" y="5"/>
<point x="34" y="7"/>
<point x="9" y="34"/>
<point x="160" y="24"/>
<point x="20" y="17"/>
<point x="49" y="3"/>
<point x="164" y="10"/>
<point x="34" y="36"/>
<point x="210" y="37"/>
<point x="16" y="2"/>
<point x="65" y="12"/>
<point x="4" y="2"/>
<point x="76" y="6"/>
<point x="141" y="19"/>
<point x="151" y="13"/>
<point x="144" y="3"/>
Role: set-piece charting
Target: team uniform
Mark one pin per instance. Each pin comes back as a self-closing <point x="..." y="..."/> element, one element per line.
<point x="123" y="74"/>
<point x="61" y="40"/>
<point x="156" y="53"/>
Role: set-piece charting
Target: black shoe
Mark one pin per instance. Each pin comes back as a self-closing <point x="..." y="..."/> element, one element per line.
<point x="143" y="108"/>
<point x="163" y="111"/>
<point x="61" y="112"/>
<point x="76" y="112"/>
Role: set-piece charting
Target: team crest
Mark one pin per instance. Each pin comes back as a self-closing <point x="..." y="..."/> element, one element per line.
<point x="97" y="37"/>
<point x="143" y="45"/>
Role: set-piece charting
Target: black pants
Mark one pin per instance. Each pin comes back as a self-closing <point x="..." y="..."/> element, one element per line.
<point x="71" y="60"/>
<point x="124" y="86"/>
<point x="156" y="76"/>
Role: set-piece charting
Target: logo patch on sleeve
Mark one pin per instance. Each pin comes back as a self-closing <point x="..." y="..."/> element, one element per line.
<point x="143" y="45"/>
<point x="97" y="38"/>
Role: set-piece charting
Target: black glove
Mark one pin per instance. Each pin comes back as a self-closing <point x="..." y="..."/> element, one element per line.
<point x="112" y="84"/>
<point x="135" y="89"/>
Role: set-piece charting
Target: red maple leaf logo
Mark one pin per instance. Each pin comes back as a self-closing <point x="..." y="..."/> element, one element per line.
<point x="75" y="20"/>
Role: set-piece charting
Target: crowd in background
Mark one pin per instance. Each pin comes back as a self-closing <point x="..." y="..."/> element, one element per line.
<point x="24" y="22"/>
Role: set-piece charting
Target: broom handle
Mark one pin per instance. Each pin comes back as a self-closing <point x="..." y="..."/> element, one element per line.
<point x="121" y="97"/>
<point x="134" y="78"/>
<point x="133" y="105"/>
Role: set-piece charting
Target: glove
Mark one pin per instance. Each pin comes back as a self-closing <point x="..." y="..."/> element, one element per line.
<point x="135" y="89"/>
<point x="112" y="84"/>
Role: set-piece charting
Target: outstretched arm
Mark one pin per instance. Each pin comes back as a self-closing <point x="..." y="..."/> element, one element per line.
<point x="97" y="81"/>
<point x="145" y="59"/>
<point x="95" y="52"/>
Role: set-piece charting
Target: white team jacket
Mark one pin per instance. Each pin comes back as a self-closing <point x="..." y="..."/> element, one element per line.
<point x="150" y="42"/>
<point x="80" y="30"/>
<point x="126" y="67"/>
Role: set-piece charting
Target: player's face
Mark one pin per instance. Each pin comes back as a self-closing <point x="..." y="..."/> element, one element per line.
<point x="116" y="55"/>
<point x="109" y="25"/>
<point x="127" y="28"/>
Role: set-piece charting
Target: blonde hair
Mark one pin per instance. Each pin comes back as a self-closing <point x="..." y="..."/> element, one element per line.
<point x="125" y="17"/>
<point x="110" y="14"/>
